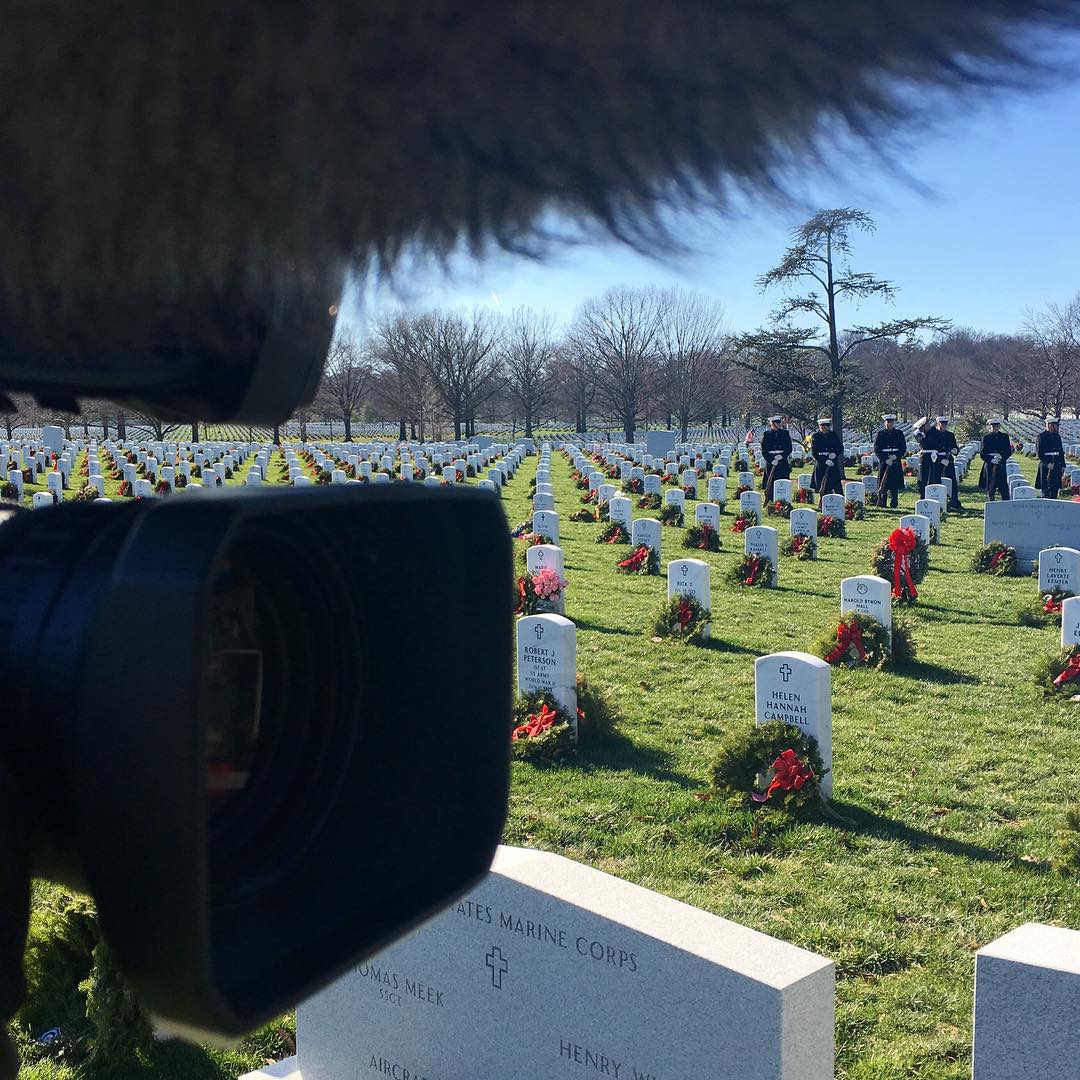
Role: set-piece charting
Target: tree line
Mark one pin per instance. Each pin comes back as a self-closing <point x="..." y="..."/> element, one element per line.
<point x="668" y="357"/>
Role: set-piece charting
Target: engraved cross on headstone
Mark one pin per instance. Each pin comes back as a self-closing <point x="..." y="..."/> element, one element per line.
<point x="785" y="672"/>
<point x="499" y="967"/>
<point x="539" y="628"/>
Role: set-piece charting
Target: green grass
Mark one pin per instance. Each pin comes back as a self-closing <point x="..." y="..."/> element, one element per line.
<point x="951" y="771"/>
<point x="953" y="774"/>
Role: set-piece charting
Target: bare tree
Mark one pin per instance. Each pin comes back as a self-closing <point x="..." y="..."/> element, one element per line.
<point x="1053" y="373"/>
<point x="147" y="426"/>
<point x="461" y="355"/>
<point x="693" y="357"/>
<point x="529" y="353"/>
<point x="818" y="259"/>
<point x="621" y="335"/>
<point x="346" y="380"/>
<point x="404" y="389"/>
<point x="575" y="377"/>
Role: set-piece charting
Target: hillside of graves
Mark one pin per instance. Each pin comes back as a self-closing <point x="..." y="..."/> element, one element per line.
<point x="951" y="775"/>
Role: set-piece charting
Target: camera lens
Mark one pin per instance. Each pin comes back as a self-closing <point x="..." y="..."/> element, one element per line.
<point x="232" y="685"/>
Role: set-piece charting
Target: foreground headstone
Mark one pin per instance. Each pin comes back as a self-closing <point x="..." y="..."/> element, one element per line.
<point x="614" y="981"/>
<point x="868" y="595"/>
<point x="1059" y="568"/>
<point x="764" y="540"/>
<point x="547" y="659"/>
<point x="1070" y="621"/>
<point x="1027" y="1005"/>
<point x="796" y="688"/>
<point x="690" y="577"/>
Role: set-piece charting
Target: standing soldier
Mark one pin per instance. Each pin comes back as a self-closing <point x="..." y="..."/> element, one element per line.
<point x="1051" y="455"/>
<point x="996" y="450"/>
<point x="931" y="446"/>
<point x="828" y="454"/>
<point x="890" y="446"/>
<point x="947" y="450"/>
<point x="776" y="449"/>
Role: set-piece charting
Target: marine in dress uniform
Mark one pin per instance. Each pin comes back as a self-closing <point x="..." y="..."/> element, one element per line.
<point x="996" y="450"/>
<point x="890" y="446"/>
<point x="776" y="449"/>
<point x="828" y="453"/>
<point x="1051" y="455"/>
<point x="932" y="449"/>
<point x="948" y="448"/>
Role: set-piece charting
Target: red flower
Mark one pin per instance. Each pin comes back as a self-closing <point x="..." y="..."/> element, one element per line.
<point x="789" y="774"/>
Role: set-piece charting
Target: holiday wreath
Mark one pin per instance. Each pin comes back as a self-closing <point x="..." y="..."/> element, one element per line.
<point x="681" y="619"/>
<point x="775" y="764"/>
<point x="901" y="559"/>
<point x="702" y="537"/>
<point x="754" y="571"/>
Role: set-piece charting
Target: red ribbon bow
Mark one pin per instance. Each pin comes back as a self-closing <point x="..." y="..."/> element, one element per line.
<point x="902" y="543"/>
<point x="789" y="774"/>
<point x="706" y="535"/>
<point x="996" y="558"/>
<point x="684" y="613"/>
<point x="637" y="558"/>
<point x="1050" y="605"/>
<point x="536" y="724"/>
<point x="1072" y="671"/>
<point x="754" y="566"/>
<point x="848" y="635"/>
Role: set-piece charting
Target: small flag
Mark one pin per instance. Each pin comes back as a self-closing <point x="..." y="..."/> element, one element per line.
<point x="749" y="436"/>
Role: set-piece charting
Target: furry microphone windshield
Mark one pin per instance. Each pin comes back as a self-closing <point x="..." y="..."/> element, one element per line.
<point x="186" y="186"/>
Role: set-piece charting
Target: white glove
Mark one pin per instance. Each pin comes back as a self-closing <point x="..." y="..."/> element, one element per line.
<point x="832" y="457"/>
<point x="995" y="458"/>
<point x="891" y="460"/>
<point x="933" y="455"/>
<point x="776" y="456"/>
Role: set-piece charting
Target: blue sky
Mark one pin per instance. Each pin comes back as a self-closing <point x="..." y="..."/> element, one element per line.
<point x="985" y="226"/>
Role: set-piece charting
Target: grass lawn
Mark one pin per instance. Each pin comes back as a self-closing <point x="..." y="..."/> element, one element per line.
<point x="952" y="773"/>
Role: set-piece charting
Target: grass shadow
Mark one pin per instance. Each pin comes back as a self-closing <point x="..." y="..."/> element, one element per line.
<point x="856" y="819"/>
<point x="585" y="624"/>
<point x="920" y="669"/>
<point x="618" y="752"/>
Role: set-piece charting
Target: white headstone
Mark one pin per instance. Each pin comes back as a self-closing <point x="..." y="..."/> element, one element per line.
<point x="707" y="514"/>
<point x="1059" y="568"/>
<point x="717" y="489"/>
<point x="868" y="595"/>
<point x="803" y="522"/>
<point x="647" y="532"/>
<point x="43" y="499"/>
<point x="546" y="523"/>
<point x="833" y="506"/>
<point x="855" y="491"/>
<point x="764" y="540"/>
<point x="544" y="556"/>
<point x="675" y="495"/>
<point x="939" y="493"/>
<point x="1070" y="621"/>
<point x="690" y="577"/>
<point x="621" y="511"/>
<point x="931" y="510"/>
<point x="919" y="523"/>
<point x="653" y="484"/>
<point x="547" y="659"/>
<point x="751" y="501"/>
<point x="796" y="688"/>
<point x="782" y="490"/>
<point x="543" y="502"/>
<point x="805" y="481"/>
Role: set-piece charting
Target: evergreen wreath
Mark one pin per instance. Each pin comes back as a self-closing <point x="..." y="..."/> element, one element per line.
<point x="634" y="485"/>
<point x="995" y="558"/>
<point x="744" y="519"/>
<point x="754" y="571"/>
<point x="690" y="492"/>
<point x="740" y="489"/>
<point x="542" y="730"/>
<point x="672" y="514"/>
<point x="801" y="546"/>
<point x="804" y="495"/>
<point x="833" y="527"/>
<point x="87" y="493"/>
<point x="1058" y="673"/>
<point x="8" y="490"/>
<point x="702" y="537"/>
<point x="775" y="764"/>
<point x="651" y="501"/>
<point x="882" y="564"/>
<point x="642" y="560"/>
<point x="778" y="508"/>
<point x="615" y="533"/>
<point x="681" y="619"/>
<point x="859" y="640"/>
<point x="854" y="510"/>
<point x="1044" y="609"/>
<point x="585" y="514"/>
